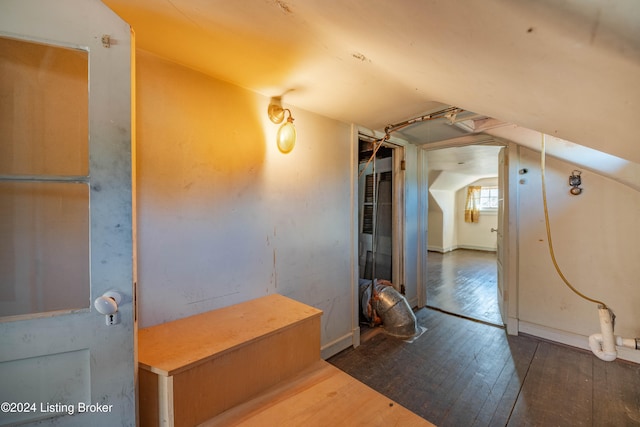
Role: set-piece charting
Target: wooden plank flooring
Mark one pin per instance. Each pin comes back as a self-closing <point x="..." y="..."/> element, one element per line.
<point x="465" y="373"/>
<point x="464" y="282"/>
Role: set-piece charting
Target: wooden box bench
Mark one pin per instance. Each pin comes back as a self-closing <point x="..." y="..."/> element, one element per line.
<point x="192" y="369"/>
<point x="320" y="396"/>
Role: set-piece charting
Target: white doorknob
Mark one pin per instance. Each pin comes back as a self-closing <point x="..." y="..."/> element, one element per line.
<point x="107" y="304"/>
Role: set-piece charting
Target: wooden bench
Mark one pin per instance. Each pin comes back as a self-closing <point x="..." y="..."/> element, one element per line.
<point x="253" y="364"/>
<point x="320" y="396"/>
<point x="194" y="368"/>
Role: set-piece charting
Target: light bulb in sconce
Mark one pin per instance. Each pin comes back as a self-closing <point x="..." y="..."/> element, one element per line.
<point x="286" y="136"/>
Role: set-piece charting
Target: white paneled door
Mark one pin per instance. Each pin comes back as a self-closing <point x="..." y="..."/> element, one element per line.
<point x="66" y="215"/>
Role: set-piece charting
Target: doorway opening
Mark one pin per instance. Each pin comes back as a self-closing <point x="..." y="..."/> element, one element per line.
<point x="380" y="214"/>
<point x="462" y="262"/>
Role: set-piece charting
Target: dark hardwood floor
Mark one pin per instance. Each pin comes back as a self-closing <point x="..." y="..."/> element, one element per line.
<point x="464" y="282"/>
<point x="465" y="373"/>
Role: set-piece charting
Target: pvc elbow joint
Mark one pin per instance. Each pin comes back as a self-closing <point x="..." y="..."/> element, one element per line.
<point x="596" y="345"/>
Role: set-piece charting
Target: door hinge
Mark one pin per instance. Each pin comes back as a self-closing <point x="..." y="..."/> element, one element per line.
<point x="403" y="165"/>
<point x="106" y="41"/>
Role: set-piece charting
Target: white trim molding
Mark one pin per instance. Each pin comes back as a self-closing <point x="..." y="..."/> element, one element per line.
<point x="573" y="340"/>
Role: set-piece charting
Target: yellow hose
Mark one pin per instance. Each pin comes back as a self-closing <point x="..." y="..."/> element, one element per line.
<point x="546" y="220"/>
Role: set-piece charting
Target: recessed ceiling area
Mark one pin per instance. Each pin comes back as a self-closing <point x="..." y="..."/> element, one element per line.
<point x="445" y="128"/>
<point x="480" y="160"/>
<point x="453" y="168"/>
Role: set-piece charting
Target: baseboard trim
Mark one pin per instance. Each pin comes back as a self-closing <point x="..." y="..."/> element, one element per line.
<point x="571" y="339"/>
<point x="342" y="343"/>
<point x="512" y="325"/>
<point x="453" y="248"/>
<point x="441" y="249"/>
<point x="477" y="248"/>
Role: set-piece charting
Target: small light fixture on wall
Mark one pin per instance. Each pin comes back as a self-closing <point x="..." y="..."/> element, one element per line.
<point x="286" y="136"/>
<point x="575" y="181"/>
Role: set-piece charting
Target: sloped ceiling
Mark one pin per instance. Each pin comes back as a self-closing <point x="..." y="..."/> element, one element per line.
<point x="568" y="68"/>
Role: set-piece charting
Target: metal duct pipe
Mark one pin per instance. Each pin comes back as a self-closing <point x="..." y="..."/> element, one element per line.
<point x="393" y="309"/>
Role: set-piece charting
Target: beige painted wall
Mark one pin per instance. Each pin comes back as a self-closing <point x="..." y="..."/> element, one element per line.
<point x="595" y="238"/>
<point x="442" y="235"/>
<point x="435" y="231"/>
<point x="223" y="216"/>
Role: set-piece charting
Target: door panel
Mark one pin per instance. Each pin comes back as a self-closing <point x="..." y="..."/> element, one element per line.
<point x="47" y="85"/>
<point x="377" y="211"/>
<point x="66" y="220"/>
<point x="44" y="242"/>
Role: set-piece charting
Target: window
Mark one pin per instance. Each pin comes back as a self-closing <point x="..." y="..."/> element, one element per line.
<point x="489" y="198"/>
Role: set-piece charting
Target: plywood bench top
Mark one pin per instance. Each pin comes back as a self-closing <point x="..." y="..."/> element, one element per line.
<point x="171" y="347"/>
<point x="320" y="396"/>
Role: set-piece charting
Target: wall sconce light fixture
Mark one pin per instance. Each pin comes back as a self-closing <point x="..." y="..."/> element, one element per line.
<point x="286" y="136"/>
<point x="575" y="181"/>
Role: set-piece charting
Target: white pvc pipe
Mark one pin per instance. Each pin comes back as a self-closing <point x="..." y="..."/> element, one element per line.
<point x="603" y="345"/>
<point x="627" y="342"/>
<point x="595" y="343"/>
